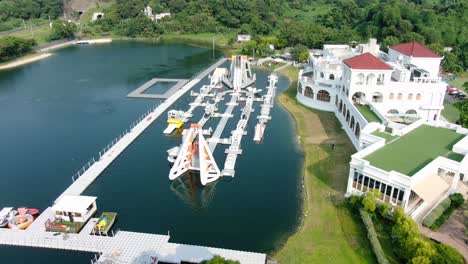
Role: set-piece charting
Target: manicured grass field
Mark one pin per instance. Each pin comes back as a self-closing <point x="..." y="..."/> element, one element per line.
<point x="388" y="137"/>
<point x="450" y="113"/>
<point x="330" y="232"/>
<point x="368" y="114"/>
<point x="415" y="150"/>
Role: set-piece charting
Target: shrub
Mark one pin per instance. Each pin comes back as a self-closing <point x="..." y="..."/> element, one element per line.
<point x="383" y="209"/>
<point x="220" y="260"/>
<point x="457" y="199"/>
<point x="372" y="235"/>
<point x="436" y="213"/>
<point x="446" y="255"/>
<point x="369" y="202"/>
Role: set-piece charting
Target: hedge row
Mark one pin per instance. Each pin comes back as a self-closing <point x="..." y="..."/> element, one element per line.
<point x="372" y="235"/>
<point x="436" y="213"/>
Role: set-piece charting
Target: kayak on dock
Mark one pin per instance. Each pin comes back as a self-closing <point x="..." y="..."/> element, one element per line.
<point x="21" y="221"/>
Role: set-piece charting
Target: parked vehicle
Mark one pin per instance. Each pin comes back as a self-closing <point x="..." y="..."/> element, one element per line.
<point x="453" y="90"/>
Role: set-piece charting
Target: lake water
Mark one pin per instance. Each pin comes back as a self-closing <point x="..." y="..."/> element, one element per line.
<point x="58" y="113"/>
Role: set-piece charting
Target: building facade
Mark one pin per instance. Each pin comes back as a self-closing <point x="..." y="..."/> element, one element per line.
<point x="389" y="104"/>
<point x="398" y="88"/>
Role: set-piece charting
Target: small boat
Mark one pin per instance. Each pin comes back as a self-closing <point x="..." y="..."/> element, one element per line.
<point x="105" y="223"/>
<point x="21" y="221"/>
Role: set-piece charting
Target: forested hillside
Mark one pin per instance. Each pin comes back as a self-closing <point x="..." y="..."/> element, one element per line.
<point x="309" y="22"/>
<point x="438" y="23"/>
<point x="12" y="12"/>
<point x="27" y="9"/>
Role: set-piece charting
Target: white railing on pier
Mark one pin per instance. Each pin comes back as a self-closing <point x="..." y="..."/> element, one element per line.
<point x="93" y="168"/>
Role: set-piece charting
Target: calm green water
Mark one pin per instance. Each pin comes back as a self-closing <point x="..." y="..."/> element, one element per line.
<point x="58" y="113"/>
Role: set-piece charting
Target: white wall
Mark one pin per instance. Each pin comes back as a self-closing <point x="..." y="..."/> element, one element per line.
<point x="429" y="64"/>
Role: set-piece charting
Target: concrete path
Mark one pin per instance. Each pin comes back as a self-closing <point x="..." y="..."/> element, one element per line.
<point x="20" y="62"/>
<point x="445" y="239"/>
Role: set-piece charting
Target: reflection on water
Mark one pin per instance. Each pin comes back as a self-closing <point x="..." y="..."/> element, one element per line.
<point x="189" y="189"/>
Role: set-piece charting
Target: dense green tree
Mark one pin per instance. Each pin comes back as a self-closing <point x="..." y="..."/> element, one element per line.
<point x="27" y="9"/>
<point x="62" y="30"/>
<point x="300" y="53"/>
<point x="389" y="41"/>
<point x="12" y="46"/>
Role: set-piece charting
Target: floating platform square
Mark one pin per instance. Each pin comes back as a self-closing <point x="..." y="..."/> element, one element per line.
<point x="140" y="91"/>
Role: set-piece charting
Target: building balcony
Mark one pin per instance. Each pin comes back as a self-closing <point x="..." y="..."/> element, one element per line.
<point x="427" y="79"/>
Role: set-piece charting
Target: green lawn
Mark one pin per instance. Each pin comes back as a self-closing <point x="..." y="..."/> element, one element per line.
<point x="450" y="113"/>
<point x="460" y="80"/>
<point x="415" y="150"/>
<point x="330" y="231"/>
<point x="39" y="33"/>
<point x="454" y="156"/>
<point x="368" y="114"/>
<point x="388" y="137"/>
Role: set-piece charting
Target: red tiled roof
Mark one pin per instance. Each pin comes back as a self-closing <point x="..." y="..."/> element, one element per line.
<point x="366" y="61"/>
<point x="415" y="49"/>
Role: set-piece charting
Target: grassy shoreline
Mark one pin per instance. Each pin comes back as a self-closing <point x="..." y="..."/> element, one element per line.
<point x="330" y="232"/>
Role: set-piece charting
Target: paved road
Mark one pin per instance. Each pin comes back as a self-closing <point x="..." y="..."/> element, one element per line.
<point x="445" y="239"/>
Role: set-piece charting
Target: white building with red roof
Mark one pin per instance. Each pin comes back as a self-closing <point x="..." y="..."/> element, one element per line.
<point x="365" y="86"/>
<point x="389" y="105"/>
<point x="416" y="54"/>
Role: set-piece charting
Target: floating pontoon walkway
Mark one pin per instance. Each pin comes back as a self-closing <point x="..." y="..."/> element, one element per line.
<point x="215" y="139"/>
<point x="88" y="177"/>
<point x="140" y="91"/>
<point x="123" y="247"/>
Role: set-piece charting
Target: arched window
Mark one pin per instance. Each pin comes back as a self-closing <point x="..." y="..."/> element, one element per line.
<point x="308" y="92"/>
<point x="347" y="92"/>
<point x="323" y="95"/>
<point x="352" y="123"/>
<point x="377" y="97"/>
<point x="418" y="96"/>
<point x="322" y="75"/>
<point x="347" y="115"/>
<point x="359" y="98"/>
<point x="344" y="110"/>
<point x="360" y="79"/>
<point x="357" y="132"/>
<point x="393" y="112"/>
<point x="299" y="88"/>
<point x="370" y="79"/>
<point x="331" y="77"/>
<point x="400" y="96"/>
<point x="411" y="113"/>
<point x="336" y="100"/>
<point x="340" y="107"/>
<point x="410" y="96"/>
<point x="391" y="96"/>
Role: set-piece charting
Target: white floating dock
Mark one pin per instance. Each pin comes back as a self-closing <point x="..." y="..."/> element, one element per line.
<point x="88" y="177"/>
